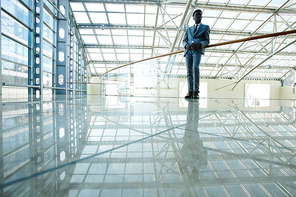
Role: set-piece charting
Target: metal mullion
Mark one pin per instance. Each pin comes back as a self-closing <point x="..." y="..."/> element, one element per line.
<point x="70" y="68"/>
<point x="63" y="47"/>
<point x="77" y="33"/>
<point x="56" y="8"/>
<point x="37" y="67"/>
<point x="80" y="69"/>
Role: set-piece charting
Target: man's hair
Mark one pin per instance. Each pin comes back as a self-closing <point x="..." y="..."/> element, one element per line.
<point x="198" y="10"/>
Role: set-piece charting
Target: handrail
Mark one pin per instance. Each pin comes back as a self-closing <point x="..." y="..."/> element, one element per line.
<point x="211" y="45"/>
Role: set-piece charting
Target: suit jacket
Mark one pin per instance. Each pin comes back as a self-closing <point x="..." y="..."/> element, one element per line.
<point x="202" y="35"/>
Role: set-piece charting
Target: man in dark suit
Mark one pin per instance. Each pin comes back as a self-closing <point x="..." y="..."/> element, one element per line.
<point x="195" y="40"/>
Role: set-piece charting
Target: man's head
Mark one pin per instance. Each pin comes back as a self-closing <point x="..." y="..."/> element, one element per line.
<point x="197" y="16"/>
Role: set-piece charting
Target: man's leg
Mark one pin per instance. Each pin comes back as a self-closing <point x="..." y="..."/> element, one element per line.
<point x="189" y="65"/>
<point x="196" y="74"/>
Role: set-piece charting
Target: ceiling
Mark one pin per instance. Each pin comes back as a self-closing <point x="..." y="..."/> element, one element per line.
<point x="115" y="33"/>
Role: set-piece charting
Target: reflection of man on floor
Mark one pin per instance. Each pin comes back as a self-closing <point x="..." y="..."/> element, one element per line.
<point x="193" y="153"/>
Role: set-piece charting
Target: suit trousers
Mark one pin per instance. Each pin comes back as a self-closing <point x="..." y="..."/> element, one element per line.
<point x="192" y="65"/>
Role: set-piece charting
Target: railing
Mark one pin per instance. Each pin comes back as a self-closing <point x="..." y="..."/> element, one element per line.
<point x="220" y="44"/>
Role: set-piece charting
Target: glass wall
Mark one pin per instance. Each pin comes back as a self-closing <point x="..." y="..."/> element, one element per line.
<point x="16" y="33"/>
<point x="18" y="37"/>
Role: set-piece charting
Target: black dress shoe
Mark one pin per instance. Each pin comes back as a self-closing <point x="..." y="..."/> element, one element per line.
<point x="195" y="95"/>
<point x="189" y="95"/>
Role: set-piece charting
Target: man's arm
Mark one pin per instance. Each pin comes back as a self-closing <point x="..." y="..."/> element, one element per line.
<point x="185" y="39"/>
<point x="205" y="42"/>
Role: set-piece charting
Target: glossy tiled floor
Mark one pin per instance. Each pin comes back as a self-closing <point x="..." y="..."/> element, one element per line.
<point x="139" y="146"/>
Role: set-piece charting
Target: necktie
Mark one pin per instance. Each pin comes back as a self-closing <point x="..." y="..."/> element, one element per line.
<point x="195" y="28"/>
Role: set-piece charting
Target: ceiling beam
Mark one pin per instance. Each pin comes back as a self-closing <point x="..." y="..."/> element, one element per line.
<point x="231" y="7"/>
<point x="152" y="28"/>
<point x="287" y="68"/>
<point x="181" y="48"/>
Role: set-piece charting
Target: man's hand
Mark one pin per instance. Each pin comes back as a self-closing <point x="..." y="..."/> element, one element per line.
<point x="193" y="46"/>
<point x="189" y="47"/>
<point x="196" y="46"/>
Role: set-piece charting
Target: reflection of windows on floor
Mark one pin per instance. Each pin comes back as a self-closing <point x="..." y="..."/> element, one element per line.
<point x="257" y="95"/>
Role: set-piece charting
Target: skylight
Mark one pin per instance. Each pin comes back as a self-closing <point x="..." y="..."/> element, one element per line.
<point x="129" y="31"/>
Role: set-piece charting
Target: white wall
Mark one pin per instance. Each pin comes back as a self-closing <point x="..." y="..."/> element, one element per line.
<point x="216" y="88"/>
<point x="94" y="86"/>
<point x="287" y="92"/>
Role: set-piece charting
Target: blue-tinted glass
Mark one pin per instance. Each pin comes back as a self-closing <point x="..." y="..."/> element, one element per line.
<point x="14" y="29"/>
<point x="48" y="49"/>
<point x="47" y="33"/>
<point x="17" y="10"/>
<point x="14" y="73"/>
<point x="47" y="79"/>
<point x="14" y="51"/>
<point x="52" y="9"/>
<point x="47" y="64"/>
<point x="29" y="3"/>
<point x="47" y="18"/>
